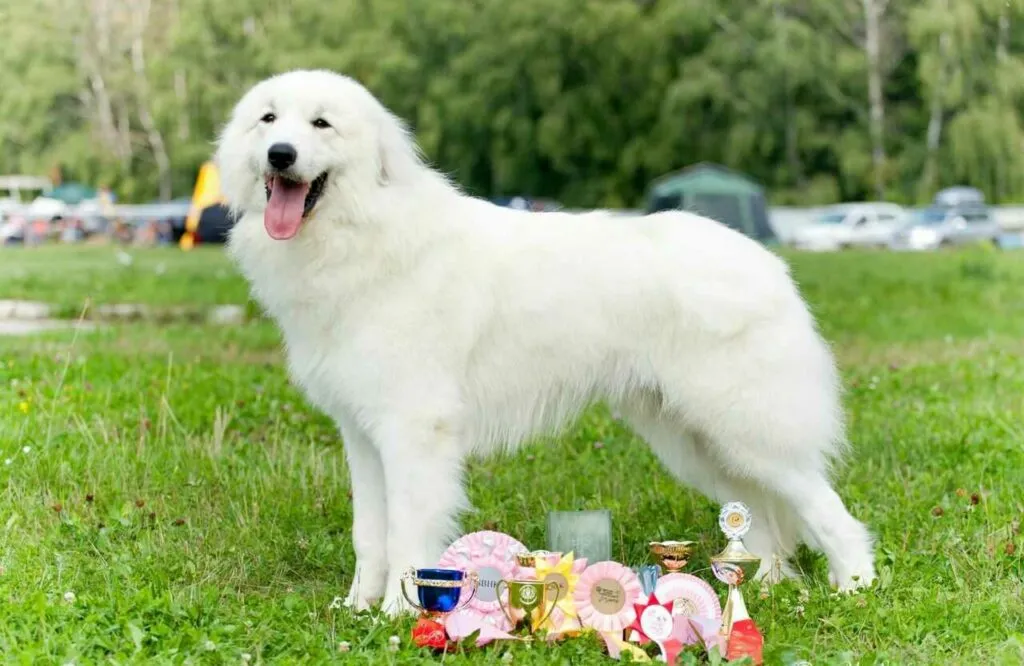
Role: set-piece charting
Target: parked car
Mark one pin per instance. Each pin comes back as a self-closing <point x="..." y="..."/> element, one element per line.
<point x="945" y="226"/>
<point x="851" y="225"/>
<point x="959" y="196"/>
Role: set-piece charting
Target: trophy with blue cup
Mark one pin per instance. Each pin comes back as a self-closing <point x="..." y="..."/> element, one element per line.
<point x="438" y="590"/>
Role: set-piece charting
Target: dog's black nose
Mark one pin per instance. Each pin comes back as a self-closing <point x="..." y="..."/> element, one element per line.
<point x="282" y="155"/>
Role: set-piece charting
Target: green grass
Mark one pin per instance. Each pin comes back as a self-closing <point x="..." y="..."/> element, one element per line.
<point x="181" y="489"/>
<point x="68" y="277"/>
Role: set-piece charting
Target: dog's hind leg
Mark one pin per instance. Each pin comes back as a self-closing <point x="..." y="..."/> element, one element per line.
<point x="801" y="482"/>
<point x="774" y="532"/>
<point x="775" y="432"/>
<point x="369" y="519"/>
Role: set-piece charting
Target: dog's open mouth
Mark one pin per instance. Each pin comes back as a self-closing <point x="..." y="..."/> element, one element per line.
<point x="289" y="202"/>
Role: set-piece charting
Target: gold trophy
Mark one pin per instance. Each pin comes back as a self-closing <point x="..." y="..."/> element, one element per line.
<point x="735" y="564"/>
<point x="528" y="597"/>
<point x="672" y="555"/>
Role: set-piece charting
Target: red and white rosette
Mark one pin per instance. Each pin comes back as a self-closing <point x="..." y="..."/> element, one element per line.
<point x="692" y="597"/>
<point x="604" y="597"/>
<point x="654" y="622"/>
<point x="492" y="555"/>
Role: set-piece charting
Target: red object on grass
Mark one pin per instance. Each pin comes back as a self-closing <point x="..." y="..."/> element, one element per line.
<point x="429" y="633"/>
<point x="745" y="641"/>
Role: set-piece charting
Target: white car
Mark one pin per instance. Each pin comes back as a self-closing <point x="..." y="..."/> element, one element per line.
<point x="851" y="225"/>
<point x="45" y="208"/>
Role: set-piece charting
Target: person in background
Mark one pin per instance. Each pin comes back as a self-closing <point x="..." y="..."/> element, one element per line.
<point x="13" y="231"/>
<point x="37" y="232"/>
<point x="164" y="232"/>
<point x="72" y="231"/>
<point x="106" y="205"/>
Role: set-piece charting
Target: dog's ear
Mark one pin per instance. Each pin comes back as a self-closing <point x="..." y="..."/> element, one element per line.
<point x="234" y="179"/>
<point x="398" y="155"/>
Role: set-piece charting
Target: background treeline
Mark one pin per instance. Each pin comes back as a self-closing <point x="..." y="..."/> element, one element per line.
<point x="584" y="101"/>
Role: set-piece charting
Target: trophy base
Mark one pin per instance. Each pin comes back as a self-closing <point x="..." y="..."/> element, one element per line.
<point x="735" y="609"/>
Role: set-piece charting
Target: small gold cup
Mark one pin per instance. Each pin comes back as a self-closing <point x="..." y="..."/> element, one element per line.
<point x="526" y="559"/>
<point x="529" y="559"/>
<point x="672" y="555"/>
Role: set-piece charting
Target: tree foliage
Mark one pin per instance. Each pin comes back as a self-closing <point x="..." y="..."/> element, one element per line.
<point x="584" y="101"/>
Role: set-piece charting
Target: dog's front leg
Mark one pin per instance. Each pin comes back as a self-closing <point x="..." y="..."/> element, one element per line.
<point x="423" y="475"/>
<point x="369" y="519"/>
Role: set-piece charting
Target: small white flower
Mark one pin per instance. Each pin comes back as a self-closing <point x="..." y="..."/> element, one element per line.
<point x="209" y="646"/>
<point x="507" y="657"/>
<point x="393" y="643"/>
<point x="344" y="646"/>
<point x="26" y="449"/>
<point x="246" y="657"/>
<point x="799" y="610"/>
<point x="69" y="597"/>
<point x="335" y="603"/>
<point x="8" y="461"/>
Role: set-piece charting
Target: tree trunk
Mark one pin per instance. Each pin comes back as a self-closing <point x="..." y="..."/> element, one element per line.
<point x="181" y="93"/>
<point x="932" y="141"/>
<point x="789" y="108"/>
<point x="1002" y="46"/>
<point x="140" y="17"/>
<point x="876" y="99"/>
<point x="936" y="120"/>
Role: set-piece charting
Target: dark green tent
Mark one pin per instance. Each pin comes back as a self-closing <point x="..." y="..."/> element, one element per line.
<point x="72" y="193"/>
<point x="715" y="192"/>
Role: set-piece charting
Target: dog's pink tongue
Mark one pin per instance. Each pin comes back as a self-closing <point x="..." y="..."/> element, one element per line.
<point x="284" y="210"/>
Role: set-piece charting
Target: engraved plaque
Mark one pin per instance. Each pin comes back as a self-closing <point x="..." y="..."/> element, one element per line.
<point x="586" y="533"/>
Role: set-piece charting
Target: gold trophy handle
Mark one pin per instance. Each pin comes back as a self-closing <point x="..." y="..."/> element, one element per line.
<point x="474" y="583"/>
<point x="406" y="577"/>
<point x="554" y="601"/>
<point x="505" y="612"/>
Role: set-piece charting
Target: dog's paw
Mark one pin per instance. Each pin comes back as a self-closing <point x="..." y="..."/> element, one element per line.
<point x="854" y="582"/>
<point x="366" y="589"/>
<point x="395" y="605"/>
<point x="358" y="602"/>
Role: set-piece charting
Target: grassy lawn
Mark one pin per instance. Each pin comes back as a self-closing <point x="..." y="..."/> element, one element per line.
<point x="167" y="497"/>
<point x="67" y="277"/>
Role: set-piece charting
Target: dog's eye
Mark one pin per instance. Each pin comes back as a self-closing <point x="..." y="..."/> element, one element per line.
<point x="268" y="118"/>
<point x="320" y="123"/>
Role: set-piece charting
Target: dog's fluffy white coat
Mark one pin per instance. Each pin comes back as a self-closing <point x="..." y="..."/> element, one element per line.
<point x="431" y="325"/>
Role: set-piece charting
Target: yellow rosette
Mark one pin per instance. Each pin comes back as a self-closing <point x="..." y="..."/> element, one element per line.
<point x="565" y="572"/>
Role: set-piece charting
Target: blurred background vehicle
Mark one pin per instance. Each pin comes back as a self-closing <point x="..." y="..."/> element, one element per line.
<point x="867" y="224"/>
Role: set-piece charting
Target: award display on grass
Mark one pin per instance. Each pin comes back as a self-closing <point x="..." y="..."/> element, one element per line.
<point x="489" y="586"/>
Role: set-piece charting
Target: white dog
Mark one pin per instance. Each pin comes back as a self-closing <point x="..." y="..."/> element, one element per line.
<point x="431" y="325"/>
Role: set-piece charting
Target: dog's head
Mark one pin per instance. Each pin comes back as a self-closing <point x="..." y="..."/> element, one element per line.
<point x="306" y="142"/>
